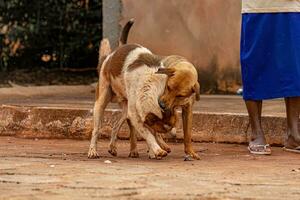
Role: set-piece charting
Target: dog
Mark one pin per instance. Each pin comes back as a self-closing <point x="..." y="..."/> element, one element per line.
<point x="124" y="76"/>
<point x="182" y="89"/>
<point x="184" y="98"/>
<point x="156" y="125"/>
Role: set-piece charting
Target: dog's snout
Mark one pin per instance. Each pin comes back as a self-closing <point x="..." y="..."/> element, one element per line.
<point x="162" y="104"/>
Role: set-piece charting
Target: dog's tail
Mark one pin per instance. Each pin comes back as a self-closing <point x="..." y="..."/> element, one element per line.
<point x="104" y="51"/>
<point x="124" y="34"/>
<point x="105" y="48"/>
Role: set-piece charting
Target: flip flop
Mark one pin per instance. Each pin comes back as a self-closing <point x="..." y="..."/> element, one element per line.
<point x="259" y="149"/>
<point x="294" y="150"/>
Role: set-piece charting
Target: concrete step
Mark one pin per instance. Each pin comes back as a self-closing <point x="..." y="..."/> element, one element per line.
<point x="66" y="112"/>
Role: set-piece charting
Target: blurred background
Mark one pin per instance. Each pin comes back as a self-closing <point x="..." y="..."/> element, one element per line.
<point x="54" y="42"/>
<point x="49" y="41"/>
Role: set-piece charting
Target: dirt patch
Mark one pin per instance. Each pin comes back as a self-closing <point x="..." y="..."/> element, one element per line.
<point x="59" y="169"/>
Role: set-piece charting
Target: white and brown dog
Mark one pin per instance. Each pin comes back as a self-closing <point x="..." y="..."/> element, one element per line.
<point x="182" y="97"/>
<point x="126" y="74"/>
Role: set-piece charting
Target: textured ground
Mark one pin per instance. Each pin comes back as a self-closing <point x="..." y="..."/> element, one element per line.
<point x="59" y="169"/>
<point x="82" y="96"/>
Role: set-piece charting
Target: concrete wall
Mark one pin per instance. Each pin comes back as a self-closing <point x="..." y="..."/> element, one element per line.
<point x="207" y="32"/>
<point x="111" y="18"/>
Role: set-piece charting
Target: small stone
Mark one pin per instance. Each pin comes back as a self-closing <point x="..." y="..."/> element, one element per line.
<point x="52" y="166"/>
<point x="107" y="162"/>
<point x="188" y="158"/>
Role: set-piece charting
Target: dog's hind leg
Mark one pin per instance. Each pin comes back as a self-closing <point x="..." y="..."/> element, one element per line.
<point x="115" y="130"/>
<point x="103" y="97"/>
<point x="133" y="141"/>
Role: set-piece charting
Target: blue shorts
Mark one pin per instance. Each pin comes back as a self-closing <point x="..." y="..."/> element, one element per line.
<point x="270" y="55"/>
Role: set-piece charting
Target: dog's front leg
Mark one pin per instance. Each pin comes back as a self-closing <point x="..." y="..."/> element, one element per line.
<point x="116" y="128"/>
<point x="187" y="119"/>
<point x="155" y="151"/>
<point x="162" y="143"/>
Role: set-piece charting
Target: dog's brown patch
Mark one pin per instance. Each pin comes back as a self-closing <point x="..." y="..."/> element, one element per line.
<point x="156" y="124"/>
<point x="145" y="59"/>
<point x="115" y="63"/>
<point x="101" y="60"/>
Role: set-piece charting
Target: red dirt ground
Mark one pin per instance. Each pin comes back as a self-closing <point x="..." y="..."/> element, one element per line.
<point x="59" y="169"/>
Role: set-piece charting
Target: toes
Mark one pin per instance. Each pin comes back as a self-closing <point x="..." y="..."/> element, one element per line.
<point x="113" y="152"/>
<point x="194" y="155"/>
<point x="161" y="153"/>
<point x="133" y="154"/>
<point x="151" y="154"/>
<point x="168" y="149"/>
<point x="93" y="154"/>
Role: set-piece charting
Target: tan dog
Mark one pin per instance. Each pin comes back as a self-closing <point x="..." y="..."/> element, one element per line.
<point x="182" y="89"/>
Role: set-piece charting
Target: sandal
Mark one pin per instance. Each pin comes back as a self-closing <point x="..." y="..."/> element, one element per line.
<point x="259" y="149"/>
<point x="294" y="150"/>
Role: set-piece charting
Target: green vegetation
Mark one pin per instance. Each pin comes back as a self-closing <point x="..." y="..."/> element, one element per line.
<point x="49" y="33"/>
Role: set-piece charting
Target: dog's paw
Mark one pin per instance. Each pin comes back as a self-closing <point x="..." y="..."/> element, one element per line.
<point x="133" y="154"/>
<point x="159" y="154"/>
<point x="113" y="150"/>
<point x="151" y="154"/>
<point x="193" y="154"/>
<point x="167" y="149"/>
<point x="93" y="154"/>
<point x="173" y="132"/>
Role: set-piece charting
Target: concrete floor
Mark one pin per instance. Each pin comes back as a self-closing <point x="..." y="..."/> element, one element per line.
<point x="59" y="169"/>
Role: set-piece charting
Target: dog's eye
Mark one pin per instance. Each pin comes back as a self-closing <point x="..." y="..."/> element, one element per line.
<point x="180" y="96"/>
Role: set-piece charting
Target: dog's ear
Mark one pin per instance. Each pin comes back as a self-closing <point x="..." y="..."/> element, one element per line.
<point x="167" y="71"/>
<point x="196" y="89"/>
